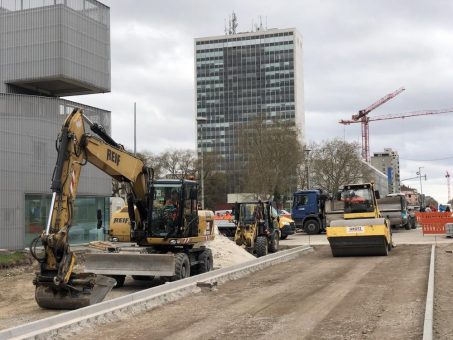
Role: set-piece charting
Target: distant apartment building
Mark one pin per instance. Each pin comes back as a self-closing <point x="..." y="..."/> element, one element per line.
<point x="388" y="162"/>
<point x="239" y="78"/>
<point x="48" y="49"/>
<point x="412" y="197"/>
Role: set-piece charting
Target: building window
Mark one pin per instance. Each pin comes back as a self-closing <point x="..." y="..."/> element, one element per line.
<point x="84" y="223"/>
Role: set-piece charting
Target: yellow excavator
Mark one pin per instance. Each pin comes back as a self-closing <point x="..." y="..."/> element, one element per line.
<point x="163" y="215"/>
<point x="362" y="231"/>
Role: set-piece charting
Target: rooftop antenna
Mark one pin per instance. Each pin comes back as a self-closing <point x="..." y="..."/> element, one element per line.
<point x="225" y="26"/>
<point x="234" y="23"/>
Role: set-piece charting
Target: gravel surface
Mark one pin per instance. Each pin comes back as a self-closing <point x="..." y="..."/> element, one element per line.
<point x="313" y="297"/>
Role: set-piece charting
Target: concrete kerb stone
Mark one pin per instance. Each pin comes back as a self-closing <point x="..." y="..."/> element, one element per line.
<point x="429" y="308"/>
<point x="62" y="325"/>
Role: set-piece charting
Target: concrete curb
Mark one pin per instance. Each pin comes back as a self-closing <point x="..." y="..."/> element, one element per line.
<point x="68" y="323"/>
<point x="428" y="323"/>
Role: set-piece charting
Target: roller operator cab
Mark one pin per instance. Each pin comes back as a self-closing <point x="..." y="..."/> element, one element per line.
<point x="362" y="231"/>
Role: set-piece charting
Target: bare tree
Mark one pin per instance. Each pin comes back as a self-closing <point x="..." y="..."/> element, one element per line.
<point x="272" y="156"/>
<point x="335" y="163"/>
<point x="178" y="163"/>
<point x="215" y="181"/>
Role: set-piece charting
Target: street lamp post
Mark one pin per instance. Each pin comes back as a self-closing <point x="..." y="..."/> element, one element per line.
<point x="201" y="120"/>
<point x="307" y="173"/>
<point x="419" y="174"/>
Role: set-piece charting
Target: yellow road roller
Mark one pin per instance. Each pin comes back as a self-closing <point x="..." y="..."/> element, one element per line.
<point x="362" y="231"/>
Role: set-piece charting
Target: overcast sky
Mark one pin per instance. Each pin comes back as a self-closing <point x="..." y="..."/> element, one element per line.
<point x="355" y="52"/>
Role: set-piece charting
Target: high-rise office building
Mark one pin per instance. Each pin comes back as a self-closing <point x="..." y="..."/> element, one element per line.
<point x="240" y="77"/>
<point x="48" y="49"/>
<point x="389" y="163"/>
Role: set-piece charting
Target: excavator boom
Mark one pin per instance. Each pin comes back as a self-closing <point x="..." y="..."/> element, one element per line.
<point x="57" y="285"/>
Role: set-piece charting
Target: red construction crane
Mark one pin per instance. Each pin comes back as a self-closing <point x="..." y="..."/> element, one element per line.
<point x="365" y="146"/>
<point x="362" y="115"/>
<point x="448" y="184"/>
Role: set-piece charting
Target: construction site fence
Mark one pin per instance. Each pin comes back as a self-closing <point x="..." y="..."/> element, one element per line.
<point x="433" y="222"/>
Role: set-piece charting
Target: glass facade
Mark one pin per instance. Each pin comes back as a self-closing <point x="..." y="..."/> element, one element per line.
<point x="37" y="207"/>
<point x="241" y="77"/>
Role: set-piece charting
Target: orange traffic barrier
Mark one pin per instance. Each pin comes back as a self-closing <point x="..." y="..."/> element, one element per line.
<point x="433" y="222"/>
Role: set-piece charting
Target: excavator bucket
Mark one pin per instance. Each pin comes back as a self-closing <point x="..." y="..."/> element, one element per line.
<point x="83" y="290"/>
<point x="360" y="237"/>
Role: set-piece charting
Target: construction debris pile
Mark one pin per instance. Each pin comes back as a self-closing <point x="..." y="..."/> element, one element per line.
<point x="226" y="253"/>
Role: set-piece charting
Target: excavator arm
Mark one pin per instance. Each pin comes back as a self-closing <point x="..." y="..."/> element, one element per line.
<point x="57" y="286"/>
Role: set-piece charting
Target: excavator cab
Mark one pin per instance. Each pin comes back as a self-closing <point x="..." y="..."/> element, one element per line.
<point x="174" y="212"/>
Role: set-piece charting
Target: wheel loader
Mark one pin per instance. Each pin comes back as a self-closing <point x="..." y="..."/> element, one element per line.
<point x="257" y="227"/>
<point x="362" y="231"/>
<point x="163" y="216"/>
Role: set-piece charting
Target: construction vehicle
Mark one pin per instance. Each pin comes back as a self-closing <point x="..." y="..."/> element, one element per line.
<point x="257" y="227"/>
<point x="170" y="236"/>
<point x="227" y="225"/>
<point x="309" y="210"/>
<point x="394" y="208"/>
<point x="287" y="226"/>
<point x="362" y="231"/>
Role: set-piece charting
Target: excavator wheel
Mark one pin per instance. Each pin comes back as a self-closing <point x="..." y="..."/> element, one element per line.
<point x="261" y="246"/>
<point x="274" y="243"/>
<point x="182" y="267"/>
<point x="206" y="263"/>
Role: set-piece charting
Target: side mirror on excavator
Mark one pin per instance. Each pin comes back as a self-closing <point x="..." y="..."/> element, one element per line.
<point x="99" y="217"/>
<point x="376" y="194"/>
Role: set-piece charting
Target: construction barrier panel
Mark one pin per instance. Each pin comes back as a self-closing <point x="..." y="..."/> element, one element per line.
<point x="433" y="222"/>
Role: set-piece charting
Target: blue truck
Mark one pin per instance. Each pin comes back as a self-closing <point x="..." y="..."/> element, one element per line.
<point x="309" y="210"/>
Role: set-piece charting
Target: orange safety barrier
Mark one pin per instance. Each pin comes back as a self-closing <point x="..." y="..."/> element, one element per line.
<point x="433" y="222"/>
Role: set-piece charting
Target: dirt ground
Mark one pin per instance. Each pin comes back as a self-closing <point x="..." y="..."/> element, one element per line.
<point x="313" y="297"/>
<point x="17" y="300"/>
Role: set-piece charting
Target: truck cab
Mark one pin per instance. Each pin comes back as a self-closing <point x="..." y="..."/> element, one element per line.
<point x="308" y="211"/>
